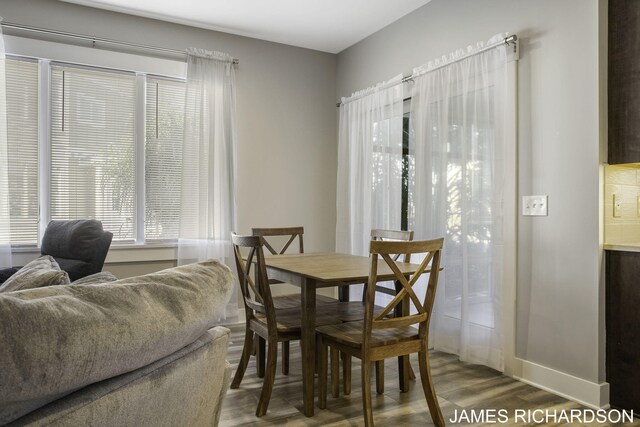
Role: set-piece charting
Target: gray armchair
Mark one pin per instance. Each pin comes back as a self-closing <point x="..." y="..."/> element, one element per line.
<point x="78" y="246"/>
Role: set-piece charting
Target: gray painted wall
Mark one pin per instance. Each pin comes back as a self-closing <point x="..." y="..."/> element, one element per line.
<point x="287" y="139"/>
<point x="285" y="107"/>
<point x="559" y="324"/>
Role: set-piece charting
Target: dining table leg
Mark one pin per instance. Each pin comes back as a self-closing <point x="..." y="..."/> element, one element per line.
<point x="343" y="293"/>
<point x="308" y="343"/>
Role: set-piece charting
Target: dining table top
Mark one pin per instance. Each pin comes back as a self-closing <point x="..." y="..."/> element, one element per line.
<point x="331" y="267"/>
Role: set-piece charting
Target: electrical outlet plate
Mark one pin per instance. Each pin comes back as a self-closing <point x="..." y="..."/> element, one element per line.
<point x="535" y="205"/>
<point x="617" y="206"/>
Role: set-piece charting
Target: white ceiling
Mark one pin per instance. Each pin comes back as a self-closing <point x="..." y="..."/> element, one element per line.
<point x="325" y="25"/>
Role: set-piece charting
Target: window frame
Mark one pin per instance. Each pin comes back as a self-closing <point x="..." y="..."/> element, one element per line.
<point x="166" y="246"/>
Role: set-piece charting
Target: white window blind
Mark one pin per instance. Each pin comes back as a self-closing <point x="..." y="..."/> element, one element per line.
<point x="22" y="136"/>
<point x="163" y="157"/>
<point x="93" y="129"/>
<point x="92" y="149"/>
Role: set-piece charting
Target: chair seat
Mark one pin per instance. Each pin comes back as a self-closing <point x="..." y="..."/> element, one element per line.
<point x="349" y="311"/>
<point x="350" y="333"/>
<point x="290" y="321"/>
<point x="284" y="302"/>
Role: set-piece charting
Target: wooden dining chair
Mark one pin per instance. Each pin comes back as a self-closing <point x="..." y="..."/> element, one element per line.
<point x="383" y="335"/>
<point x="357" y="313"/>
<point x="283" y="301"/>
<point x="262" y="318"/>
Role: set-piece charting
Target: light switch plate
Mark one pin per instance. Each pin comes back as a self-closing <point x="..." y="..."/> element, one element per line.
<point x="617" y="206"/>
<point x="535" y="205"/>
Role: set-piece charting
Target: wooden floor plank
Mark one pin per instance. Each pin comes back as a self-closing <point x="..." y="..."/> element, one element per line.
<point x="459" y="386"/>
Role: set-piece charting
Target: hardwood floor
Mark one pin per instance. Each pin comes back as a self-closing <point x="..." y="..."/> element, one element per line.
<point x="459" y="386"/>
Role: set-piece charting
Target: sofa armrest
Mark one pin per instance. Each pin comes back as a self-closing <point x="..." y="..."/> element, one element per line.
<point x="184" y="388"/>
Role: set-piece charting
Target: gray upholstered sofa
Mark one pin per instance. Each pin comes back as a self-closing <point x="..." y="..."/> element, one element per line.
<point x="134" y="352"/>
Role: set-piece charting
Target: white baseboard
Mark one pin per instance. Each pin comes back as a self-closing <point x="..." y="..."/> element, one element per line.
<point x="593" y="395"/>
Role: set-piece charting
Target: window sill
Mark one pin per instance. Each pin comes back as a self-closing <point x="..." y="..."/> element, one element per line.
<point x="128" y="253"/>
<point x="118" y="253"/>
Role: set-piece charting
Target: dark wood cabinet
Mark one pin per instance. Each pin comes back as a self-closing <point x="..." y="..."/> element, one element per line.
<point x="624" y="81"/>
<point x="623" y="328"/>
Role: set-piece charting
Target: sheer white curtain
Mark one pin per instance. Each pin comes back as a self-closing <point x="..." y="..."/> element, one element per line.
<point x="207" y="214"/>
<point x="457" y="121"/>
<point x="5" y="247"/>
<point x="369" y="187"/>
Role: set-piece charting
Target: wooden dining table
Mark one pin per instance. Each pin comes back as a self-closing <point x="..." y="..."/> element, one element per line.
<point x="313" y="271"/>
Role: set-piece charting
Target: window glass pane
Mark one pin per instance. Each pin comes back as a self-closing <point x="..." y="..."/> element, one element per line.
<point x="93" y="122"/>
<point x="163" y="158"/>
<point x="22" y="137"/>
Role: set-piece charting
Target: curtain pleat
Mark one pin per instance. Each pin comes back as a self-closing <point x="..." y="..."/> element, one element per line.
<point x="457" y="135"/>
<point x="369" y="165"/>
<point x="208" y="207"/>
<point x="369" y="190"/>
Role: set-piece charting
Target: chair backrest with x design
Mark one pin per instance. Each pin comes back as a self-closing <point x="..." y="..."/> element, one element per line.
<point x="291" y="232"/>
<point x="382" y="235"/>
<point x="256" y="295"/>
<point x="432" y="250"/>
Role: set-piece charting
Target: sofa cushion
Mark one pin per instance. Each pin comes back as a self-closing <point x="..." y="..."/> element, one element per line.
<point x="43" y="271"/>
<point x="96" y="279"/>
<point x="58" y="339"/>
